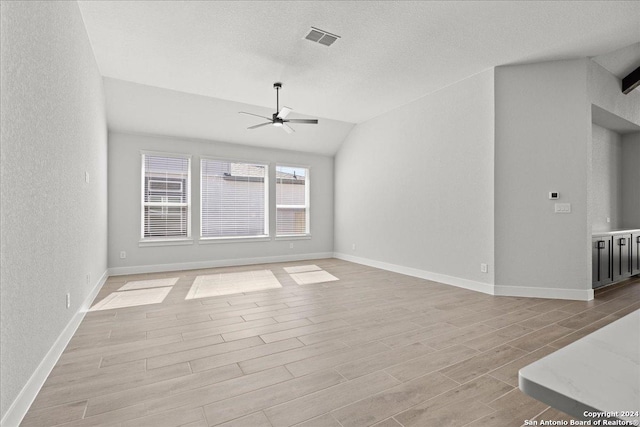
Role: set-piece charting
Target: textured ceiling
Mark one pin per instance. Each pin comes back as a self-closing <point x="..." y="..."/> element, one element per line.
<point x="621" y="62"/>
<point x="390" y="52"/>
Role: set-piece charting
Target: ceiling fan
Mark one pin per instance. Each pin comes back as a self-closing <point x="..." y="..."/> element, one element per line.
<point x="278" y="118"/>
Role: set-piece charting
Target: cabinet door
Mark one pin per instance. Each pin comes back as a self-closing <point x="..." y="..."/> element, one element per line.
<point x="601" y="262"/>
<point x="635" y="254"/>
<point x="621" y="256"/>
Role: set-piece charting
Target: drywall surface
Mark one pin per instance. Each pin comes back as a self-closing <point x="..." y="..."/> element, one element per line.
<point x="54" y="224"/>
<point x="631" y="180"/>
<point x="414" y="187"/>
<point x="543" y="126"/>
<point x="605" y="91"/>
<point x="125" y="204"/>
<point x="606" y="175"/>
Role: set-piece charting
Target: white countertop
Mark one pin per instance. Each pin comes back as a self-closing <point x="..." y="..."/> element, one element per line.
<point x="599" y="372"/>
<point x="612" y="232"/>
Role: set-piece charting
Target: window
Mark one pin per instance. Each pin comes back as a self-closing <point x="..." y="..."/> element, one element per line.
<point x="165" y="196"/>
<point x="292" y="201"/>
<point x="233" y="199"/>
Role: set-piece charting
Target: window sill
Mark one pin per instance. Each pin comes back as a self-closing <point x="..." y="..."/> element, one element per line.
<point x="165" y="242"/>
<point x="295" y="237"/>
<point x="215" y="240"/>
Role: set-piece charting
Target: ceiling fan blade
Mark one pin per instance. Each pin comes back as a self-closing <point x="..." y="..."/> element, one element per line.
<point x="308" y="121"/>
<point x="284" y="112"/>
<point x="251" y="114"/>
<point x="260" y="125"/>
<point x="287" y="128"/>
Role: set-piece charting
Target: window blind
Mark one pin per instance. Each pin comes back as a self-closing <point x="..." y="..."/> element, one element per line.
<point x="165" y="196"/>
<point x="292" y="201"/>
<point x="233" y="199"/>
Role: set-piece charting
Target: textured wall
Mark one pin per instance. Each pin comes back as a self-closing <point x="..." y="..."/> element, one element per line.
<point x="630" y="179"/>
<point x="543" y="124"/>
<point x="414" y="187"/>
<point x="606" y="179"/>
<point x="124" y="205"/>
<point x="53" y="222"/>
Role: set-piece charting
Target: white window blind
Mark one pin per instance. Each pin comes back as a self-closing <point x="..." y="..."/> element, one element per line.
<point x="292" y="201"/>
<point x="165" y="196"/>
<point x="233" y="199"/>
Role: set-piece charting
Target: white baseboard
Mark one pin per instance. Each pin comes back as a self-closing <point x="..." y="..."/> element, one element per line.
<point x="551" y="293"/>
<point x="18" y="409"/>
<point x="160" y="268"/>
<point x="511" y="291"/>
<point x="422" y="274"/>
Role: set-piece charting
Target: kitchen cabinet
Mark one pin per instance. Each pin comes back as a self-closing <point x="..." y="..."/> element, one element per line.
<point x="602" y="261"/>
<point x="615" y="256"/>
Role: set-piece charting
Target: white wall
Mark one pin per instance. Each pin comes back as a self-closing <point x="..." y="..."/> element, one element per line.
<point x="54" y="224"/>
<point x="631" y="180"/>
<point x="607" y="184"/>
<point x="543" y="126"/>
<point x="124" y="207"/>
<point x="414" y="187"/>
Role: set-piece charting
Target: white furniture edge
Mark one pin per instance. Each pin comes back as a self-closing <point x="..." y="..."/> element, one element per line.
<point x="605" y="337"/>
<point x="22" y="403"/>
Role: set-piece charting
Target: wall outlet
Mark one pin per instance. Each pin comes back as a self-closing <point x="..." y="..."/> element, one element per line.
<point x="353" y="247"/>
<point x="68" y="300"/>
<point x="484" y="268"/>
<point x="88" y="278"/>
<point x="123" y="254"/>
<point x="608" y="219"/>
<point x="290" y="245"/>
<point x="86" y="177"/>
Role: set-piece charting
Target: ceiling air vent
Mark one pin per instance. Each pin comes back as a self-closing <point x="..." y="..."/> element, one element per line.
<point x="321" y="36"/>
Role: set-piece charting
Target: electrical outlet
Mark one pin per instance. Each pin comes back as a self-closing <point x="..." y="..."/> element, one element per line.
<point x="484" y="268"/>
<point x="608" y="219"/>
<point x="123" y="254"/>
<point x="562" y="208"/>
<point x="290" y="245"/>
<point x="353" y="247"/>
<point x="86" y="177"/>
<point x="68" y="300"/>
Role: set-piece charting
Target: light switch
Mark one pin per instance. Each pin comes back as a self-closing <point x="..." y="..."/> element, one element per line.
<point x="562" y="208"/>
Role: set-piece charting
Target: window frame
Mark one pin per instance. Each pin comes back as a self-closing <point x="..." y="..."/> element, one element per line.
<point x="165" y="240"/>
<point x="230" y="239"/>
<point x="307" y="205"/>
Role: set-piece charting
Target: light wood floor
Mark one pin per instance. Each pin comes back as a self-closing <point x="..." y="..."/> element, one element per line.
<point x="374" y="348"/>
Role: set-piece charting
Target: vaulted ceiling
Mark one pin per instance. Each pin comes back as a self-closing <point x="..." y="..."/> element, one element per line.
<point x="389" y="53"/>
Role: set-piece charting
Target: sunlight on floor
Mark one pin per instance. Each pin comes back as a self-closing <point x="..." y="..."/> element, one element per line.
<point x="132" y="298"/>
<point x="232" y="283"/>
<point x="146" y="284"/>
<point x="311" y="277"/>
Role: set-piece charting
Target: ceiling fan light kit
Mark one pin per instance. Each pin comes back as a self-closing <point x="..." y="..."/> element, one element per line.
<point x="278" y="119"/>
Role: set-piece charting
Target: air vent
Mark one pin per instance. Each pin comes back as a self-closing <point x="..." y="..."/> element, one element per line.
<point x="321" y="36"/>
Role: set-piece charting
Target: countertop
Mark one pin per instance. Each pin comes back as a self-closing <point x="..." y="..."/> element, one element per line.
<point x="612" y="232"/>
<point x="599" y="372"/>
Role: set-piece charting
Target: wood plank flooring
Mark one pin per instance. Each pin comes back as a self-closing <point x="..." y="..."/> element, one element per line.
<point x="373" y="348"/>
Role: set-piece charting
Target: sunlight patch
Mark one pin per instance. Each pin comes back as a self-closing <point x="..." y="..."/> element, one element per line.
<point x="213" y="285"/>
<point x="146" y="284"/>
<point x="132" y="298"/>
<point x="301" y="268"/>
<point x="312" y="277"/>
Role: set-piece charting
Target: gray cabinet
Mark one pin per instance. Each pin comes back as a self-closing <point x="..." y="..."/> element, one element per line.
<point x="635" y="254"/>
<point x="616" y="256"/>
<point x="602" y="261"/>
<point x="621" y="256"/>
